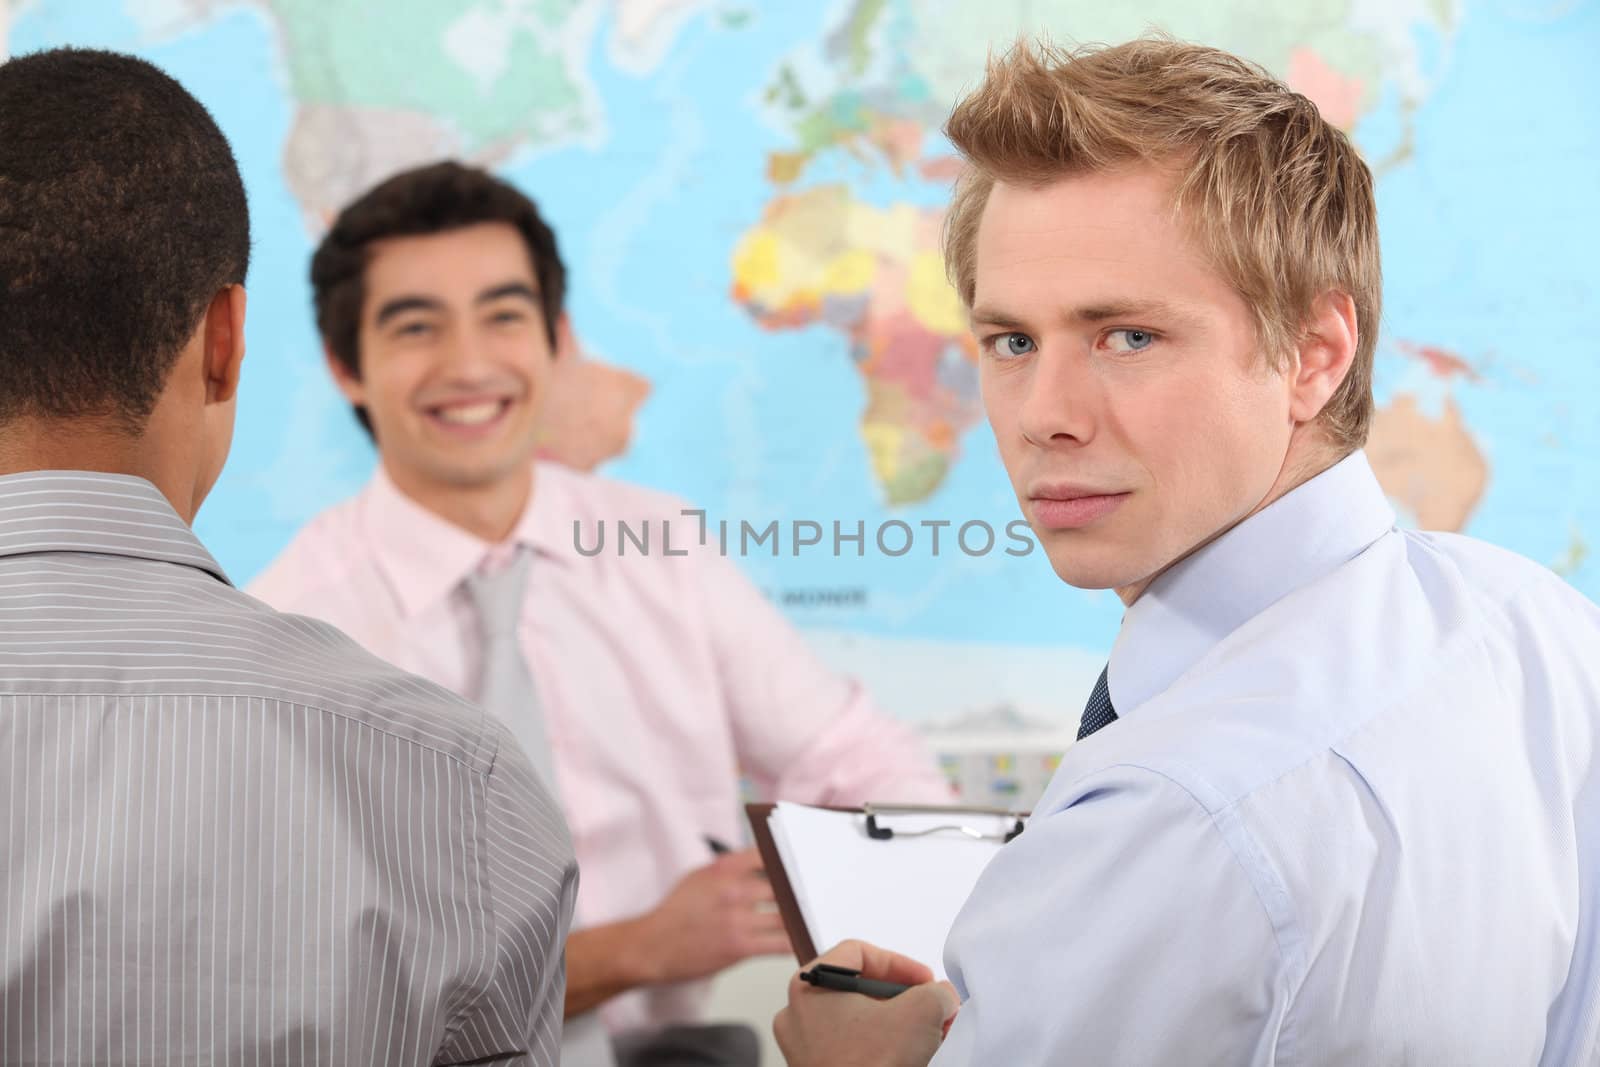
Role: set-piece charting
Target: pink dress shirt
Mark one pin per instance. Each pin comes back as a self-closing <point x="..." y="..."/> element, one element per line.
<point x="663" y="678"/>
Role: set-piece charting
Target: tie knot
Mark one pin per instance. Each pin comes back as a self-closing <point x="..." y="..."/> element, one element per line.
<point x="497" y="596"/>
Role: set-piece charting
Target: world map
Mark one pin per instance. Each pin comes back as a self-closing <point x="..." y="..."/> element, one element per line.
<point x="749" y="199"/>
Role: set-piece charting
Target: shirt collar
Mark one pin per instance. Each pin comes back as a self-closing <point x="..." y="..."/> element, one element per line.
<point x="424" y="557"/>
<point x="1307" y="533"/>
<point x="93" y="512"/>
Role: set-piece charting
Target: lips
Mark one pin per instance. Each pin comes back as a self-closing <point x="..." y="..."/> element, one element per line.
<point x="470" y="414"/>
<point x="1072" y="507"/>
<point x="469" y="418"/>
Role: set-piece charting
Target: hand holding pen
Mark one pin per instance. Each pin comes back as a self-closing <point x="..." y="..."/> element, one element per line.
<point x="899" y="1019"/>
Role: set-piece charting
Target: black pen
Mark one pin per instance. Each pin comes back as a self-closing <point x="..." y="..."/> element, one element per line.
<point x="718" y="848"/>
<point x="843" y="979"/>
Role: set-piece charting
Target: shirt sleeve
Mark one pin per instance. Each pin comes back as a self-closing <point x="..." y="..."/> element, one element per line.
<point x="1120" y="929"/>
<point x="532" y="882"/>
<point x="802" y="731"/>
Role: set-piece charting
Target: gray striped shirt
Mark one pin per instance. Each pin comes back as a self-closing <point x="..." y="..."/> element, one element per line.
<point x="231" y="836"/>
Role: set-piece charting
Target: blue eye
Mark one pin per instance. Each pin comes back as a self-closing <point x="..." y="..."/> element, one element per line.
<point x="1010" y="345"/>
<point x="1132" y="340"/>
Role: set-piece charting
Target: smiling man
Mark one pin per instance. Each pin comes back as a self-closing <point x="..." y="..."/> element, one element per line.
<point x="641" y="685"/>
<point x="1336" y="798"/>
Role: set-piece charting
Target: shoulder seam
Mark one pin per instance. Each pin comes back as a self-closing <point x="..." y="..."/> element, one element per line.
<point x="1289" y="958"/>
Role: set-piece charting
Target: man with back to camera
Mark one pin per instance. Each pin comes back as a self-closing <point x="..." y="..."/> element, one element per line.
<point x="226" y="835"/>
<point x="641" y="684"/>
<point x="1336" y="799"/>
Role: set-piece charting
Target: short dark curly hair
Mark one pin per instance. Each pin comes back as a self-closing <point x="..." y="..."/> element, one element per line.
<point x="122" y="214"/>
<point x="425" y="200"/>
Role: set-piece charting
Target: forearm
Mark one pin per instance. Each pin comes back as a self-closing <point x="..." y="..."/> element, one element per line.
<point x="605" y="961"/>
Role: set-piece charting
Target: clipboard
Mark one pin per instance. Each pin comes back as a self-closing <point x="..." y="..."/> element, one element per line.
<point x="887" y="827"/>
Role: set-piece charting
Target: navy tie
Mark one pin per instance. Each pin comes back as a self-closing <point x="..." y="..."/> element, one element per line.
<point x="1098" y="712"/>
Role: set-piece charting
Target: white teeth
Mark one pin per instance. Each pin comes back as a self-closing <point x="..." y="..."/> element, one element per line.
<point x="471" y="414"/>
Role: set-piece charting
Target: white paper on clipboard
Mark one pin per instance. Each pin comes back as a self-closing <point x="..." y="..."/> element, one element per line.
<point x="902" y="894"/>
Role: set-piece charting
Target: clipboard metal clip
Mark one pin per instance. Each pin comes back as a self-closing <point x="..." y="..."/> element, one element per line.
<point x="886" y="833"/>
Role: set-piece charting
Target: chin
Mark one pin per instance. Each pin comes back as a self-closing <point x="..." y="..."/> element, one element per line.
<point x="1092" y="570"/>
<point x="480" y="475"/>
<point x="492" y="464"/>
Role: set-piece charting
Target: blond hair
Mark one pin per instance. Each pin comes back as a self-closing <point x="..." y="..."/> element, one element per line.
<point x="1277" y="196"/>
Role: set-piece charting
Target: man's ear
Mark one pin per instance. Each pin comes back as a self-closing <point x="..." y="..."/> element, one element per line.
<point x="224" y="344"/>
<point x="349" y="384"/>
<point x="566" y="348"/>
<point x="1324" y="354"/>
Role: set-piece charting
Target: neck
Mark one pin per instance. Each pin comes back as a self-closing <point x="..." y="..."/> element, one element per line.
<point x="1306" y="458"/>
<point x="95" y="443"/>
<point x="489" y="512"/>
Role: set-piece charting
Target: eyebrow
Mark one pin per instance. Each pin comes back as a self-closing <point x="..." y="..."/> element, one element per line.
<point x="522" y="289"/>
<point x="402" y="304"/>
<point x="1092" y="313"/>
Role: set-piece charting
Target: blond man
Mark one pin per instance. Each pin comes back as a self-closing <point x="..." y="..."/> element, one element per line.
<point x="1335" y="799"/>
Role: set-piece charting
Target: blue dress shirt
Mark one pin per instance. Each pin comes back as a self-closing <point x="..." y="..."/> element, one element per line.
<point x="1349" y="814"/>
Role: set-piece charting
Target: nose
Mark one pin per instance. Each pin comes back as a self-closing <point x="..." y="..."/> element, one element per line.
<point x="465" y="354"/>
<point x="1059" y="400"/>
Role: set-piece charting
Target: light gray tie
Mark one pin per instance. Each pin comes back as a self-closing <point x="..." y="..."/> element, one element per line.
<point x="505" y="685"/>
<point x="507" y="691"/>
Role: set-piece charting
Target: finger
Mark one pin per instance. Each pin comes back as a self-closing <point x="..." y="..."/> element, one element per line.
<point x="747" y="861"/>
<point x="926" y="1007"/>
<point x="762" y="924"/>
<point x="768" y="944"/>
<point x="762" y="934"/>
<point x="892" y="967"/>
<point x="953" y="997"/>
<point x="746" y="894"/>
<point x="844" y="954"/>
<point x="875" y="962"/>
<point x="756" y="892"/>
<point x="782" y="1026"/>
